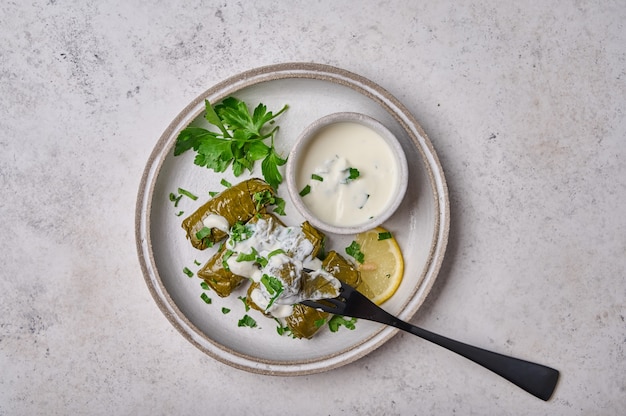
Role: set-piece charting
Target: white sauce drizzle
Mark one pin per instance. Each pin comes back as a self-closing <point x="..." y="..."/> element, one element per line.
<point x="269" y="237"/>
<point x="216" y="221"/>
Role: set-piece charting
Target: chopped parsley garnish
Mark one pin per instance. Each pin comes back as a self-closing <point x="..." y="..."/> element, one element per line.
<point x="203" y="233"/>
<point x="354" y="250"/>
<point x="353" y="174"/>
<point x="248" y="321"/>
<point x="188" y="272"/>
<point x="305" y="190"/>
<point x="227" y="254"/>
<point x="197" y="263"/>
<point x="205" y="298"/>
<point x="212" y="194"/>
<point x="317" y="178"/>
<point x="267" y="198"/>
<point x="319" y="322"/>
<point x="384" y="236"/>
<point x="225" y="183"/>
<point x="273" y="286"/>
<point x="240" y="232"/>
<point x="245" y="302"/>
<point x="179" y="213"/>
<point x="187" y="194"/>
<point x="337" y="321"/>
<point x="204" y="285"/>
<point x="248" y="257"/>
<point x="175" y="199"/>
<point x="239" y="142"/>
<point x="225" y="310"/>
<point x="275" y="252"/>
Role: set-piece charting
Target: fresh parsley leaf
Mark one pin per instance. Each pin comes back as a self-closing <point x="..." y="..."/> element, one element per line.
<point x="240" y="232"/>
<point x="179" y="213"/>
<point x="247" y="320"/>
<point x="225" y="183"/>
<point x="225" y="311"/>
<point x="267" y="197"/>
<point x="188" y="272"/>
<point x="384" y="236"/>
<point x="245" y="302"/>
<point x="354" y="250"/>
<point x="239" y="142"/>
<point x="203" y="233"/>
<point x="319" y="322"/>
<point x="305" y="190"/>
<point x="337" y="321"/>
<point x="204" y="285"/>
<point x="205" y="298"/>
<point x="248" y="257"/>
<point x="227" y="254"/>
<point x="274" y="287"/>
<point x="213" y="193"/>
<point x="353" y="174"/>
<point x="317" y="178"/>
<point x="187" y="193"/>
<point x="269" y="168"/>
<point x="275" y="252"/>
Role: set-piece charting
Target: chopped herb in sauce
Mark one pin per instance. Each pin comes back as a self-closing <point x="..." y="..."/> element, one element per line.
<point x="306" y="190"/>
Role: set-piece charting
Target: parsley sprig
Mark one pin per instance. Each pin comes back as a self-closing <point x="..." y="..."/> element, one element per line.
<point x="240" y="141"/>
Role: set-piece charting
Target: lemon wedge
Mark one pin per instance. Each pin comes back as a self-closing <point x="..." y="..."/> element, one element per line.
<point x="383" y="266"/>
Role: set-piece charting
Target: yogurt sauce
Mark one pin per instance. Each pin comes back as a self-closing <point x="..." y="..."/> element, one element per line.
<point x="285" y="253"/>
<point x="328" y="181"/>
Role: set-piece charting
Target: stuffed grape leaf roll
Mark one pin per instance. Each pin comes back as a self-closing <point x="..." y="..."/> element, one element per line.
<point x="234" y="204"/>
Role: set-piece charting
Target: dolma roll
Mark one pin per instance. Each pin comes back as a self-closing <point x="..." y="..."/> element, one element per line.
<point x="304" y="322"/>
<point x="316" y="237"/>
<point x="234" y="204"/>
<point x="218" y="277"/>
<point x="341" y="268"/>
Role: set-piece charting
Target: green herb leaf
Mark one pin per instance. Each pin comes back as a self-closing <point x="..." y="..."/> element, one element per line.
<point x="317" y="178"/>
<point x="354" y="173"/>
<point x="248" y="257"/>
<point x="204" y="285"/>
<point x="212" y="194"/>
<point x="319" y="322"/>
<point x="205" y="298"/>
<point x="269" y="168"/>
<point x="187" y="193"/>
<point x="248" y="321"/>
<point x="239" y="142"/>
<point x="305" y="190"/>
<point x="245" y="302"/>
<point x="203" y="233"/>
<point x="227" y="254"/>
<point x="274" y="287"/>
<point x="354" y="250"/>
<point x="225" y="183"/>
<point x="275" y="252"/>
<point x="337" y="321"/>
<point x="384" y="236"/>
<point x="188" y="272"/>
<point x="179" y="213"/>
<point x="240" y="232"/>
<point x="225" y="311"/>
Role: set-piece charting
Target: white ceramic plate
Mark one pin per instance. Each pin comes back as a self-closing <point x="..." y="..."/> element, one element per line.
<point x="311" y="90"/>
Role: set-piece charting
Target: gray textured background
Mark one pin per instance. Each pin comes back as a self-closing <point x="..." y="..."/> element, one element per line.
<point x="524" y="104"/>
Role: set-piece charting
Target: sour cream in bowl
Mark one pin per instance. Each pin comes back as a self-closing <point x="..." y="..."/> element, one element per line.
<point x="347" y="173"/>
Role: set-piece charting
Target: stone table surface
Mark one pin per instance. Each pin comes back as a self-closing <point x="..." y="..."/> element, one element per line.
<point x="524" y="103"/>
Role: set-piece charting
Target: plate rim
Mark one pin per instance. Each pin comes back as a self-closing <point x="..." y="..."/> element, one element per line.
<point x="257" y="76"/>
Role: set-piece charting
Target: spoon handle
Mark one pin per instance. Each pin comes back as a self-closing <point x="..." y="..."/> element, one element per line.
<point x="536" y="379"/>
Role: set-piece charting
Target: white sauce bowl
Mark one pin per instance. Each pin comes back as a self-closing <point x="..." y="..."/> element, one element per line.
<point x="347" y="173"/>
